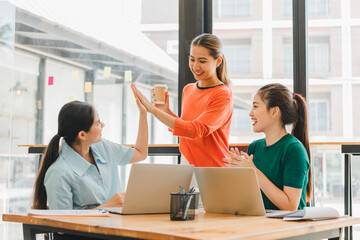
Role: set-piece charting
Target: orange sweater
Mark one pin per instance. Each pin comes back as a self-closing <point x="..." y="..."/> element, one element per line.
<point x="204" y="126"/>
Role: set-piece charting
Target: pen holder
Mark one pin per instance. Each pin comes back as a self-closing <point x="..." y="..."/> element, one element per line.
<point x="183" y="206"/>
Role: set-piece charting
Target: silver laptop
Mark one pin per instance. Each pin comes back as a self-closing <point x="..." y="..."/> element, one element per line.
<point x="149" y="187"/>
<point x="230" y="190"/>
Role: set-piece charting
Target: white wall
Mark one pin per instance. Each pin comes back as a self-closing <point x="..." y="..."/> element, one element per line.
<point x="64" y="89"/>
<point x="107" y="101"/>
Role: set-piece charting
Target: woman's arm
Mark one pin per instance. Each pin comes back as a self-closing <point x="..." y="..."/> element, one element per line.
<point x="285" y="200"/>
<point x="172" y="113"/>
<point x="212" y="118"/>
<point x="288" y="199"/>
<point x="142" y="140"/>
<point x="164" y="117"/>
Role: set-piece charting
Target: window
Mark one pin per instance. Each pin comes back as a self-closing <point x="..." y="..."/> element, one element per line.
<point x="318" y="58"/>
<point x="237" y="59"/>
<point x="319" y="115"/>
<point x="241" y="120"/>
<point x="318" y="7"/>
<point x="234" y="8"/>
<point x="315" y="7"/>
<point x="172" y="47"/>
<point x="287" y="59"/>
<point x="63" y="59"/>
<point x="287" y="7"/>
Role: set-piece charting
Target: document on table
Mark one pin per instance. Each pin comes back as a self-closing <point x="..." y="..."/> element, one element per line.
<point x="71" y="212"/>
<point x="308" y="213"/>
<point x="276" y="213"/>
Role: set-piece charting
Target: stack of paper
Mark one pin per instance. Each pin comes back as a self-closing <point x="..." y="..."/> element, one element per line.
<point x="59" y="213"/>
<point x="308" y="213"/>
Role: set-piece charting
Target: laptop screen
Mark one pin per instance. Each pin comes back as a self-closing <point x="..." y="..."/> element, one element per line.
<point x="230" y="190"/>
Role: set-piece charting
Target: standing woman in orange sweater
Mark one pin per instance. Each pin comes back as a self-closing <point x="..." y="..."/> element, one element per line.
<point x="207" y="106"/>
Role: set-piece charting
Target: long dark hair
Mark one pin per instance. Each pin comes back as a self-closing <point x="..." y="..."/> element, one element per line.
<point x="73" y="117"/>
<point x="293" y="110"/>
<point x="213" y="44"/>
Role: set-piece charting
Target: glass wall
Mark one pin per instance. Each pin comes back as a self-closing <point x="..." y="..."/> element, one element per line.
<point x="7" y="163"/>
<point x="333" y="113"/>
<point x="258" y="46"/>
<point x="50" y="55"/>
<point x="258" y="50"/>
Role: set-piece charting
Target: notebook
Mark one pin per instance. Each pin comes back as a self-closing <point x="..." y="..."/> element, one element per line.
<point x="230" y="190"/>
<point x="149" y="187"/>
<point x="308" y="213"/>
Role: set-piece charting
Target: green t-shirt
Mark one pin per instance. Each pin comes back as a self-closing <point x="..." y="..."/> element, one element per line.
<point x="285" y="163"/>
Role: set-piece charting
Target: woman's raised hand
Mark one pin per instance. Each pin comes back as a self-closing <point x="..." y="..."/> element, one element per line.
<point x="142" y="99"/>
<point x="141" y="107"/>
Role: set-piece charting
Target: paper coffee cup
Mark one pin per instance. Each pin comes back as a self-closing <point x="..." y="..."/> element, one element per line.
<point x="159" y="93"/>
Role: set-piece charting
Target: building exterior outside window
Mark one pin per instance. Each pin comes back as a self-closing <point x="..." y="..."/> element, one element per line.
<point x="287" y="7"/>
<point x="315" y="7"/>
<point x="241" y="121"/>
<point x="234" y="8"/>
<point x="318" y="59"/>
<point x="319" y="115"/>
<point x="238" y="59"/>
<point x="318" y="7"/>
<point x="287" y="59"/>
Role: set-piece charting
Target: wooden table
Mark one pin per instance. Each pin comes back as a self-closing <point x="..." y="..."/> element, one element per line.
<point x="205" y="226"/>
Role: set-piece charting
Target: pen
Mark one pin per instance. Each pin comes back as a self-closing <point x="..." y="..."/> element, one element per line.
<point x="188" y="201"/>
<point x="182" y="191"/>
<point x="181" y="205"/>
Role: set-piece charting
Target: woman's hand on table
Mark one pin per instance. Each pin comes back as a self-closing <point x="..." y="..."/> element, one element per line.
<point x="115" y="201"/>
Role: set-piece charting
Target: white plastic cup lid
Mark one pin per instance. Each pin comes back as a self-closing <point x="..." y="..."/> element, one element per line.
<point x="160" y="85"/>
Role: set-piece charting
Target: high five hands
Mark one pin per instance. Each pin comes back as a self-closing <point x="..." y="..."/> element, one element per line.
<point x="150" y="107"/>
<point x="142" y="99"/>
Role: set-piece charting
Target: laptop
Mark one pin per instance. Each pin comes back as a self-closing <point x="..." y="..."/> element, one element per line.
<point x="149" y="187"/>
<point x="230" y="190"/>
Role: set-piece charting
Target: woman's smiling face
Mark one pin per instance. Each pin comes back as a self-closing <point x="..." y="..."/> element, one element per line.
<point x="202" y="64"/>
<point x="261" y="117"/>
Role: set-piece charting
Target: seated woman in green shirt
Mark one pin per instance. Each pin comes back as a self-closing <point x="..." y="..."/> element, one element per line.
<point x="281" y="160"/>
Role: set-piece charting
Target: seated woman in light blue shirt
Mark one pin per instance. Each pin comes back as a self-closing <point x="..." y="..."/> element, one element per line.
<point x="84" y="174"/>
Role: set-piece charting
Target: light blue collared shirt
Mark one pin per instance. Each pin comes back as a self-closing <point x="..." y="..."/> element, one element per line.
<point x="71" y="182"/>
